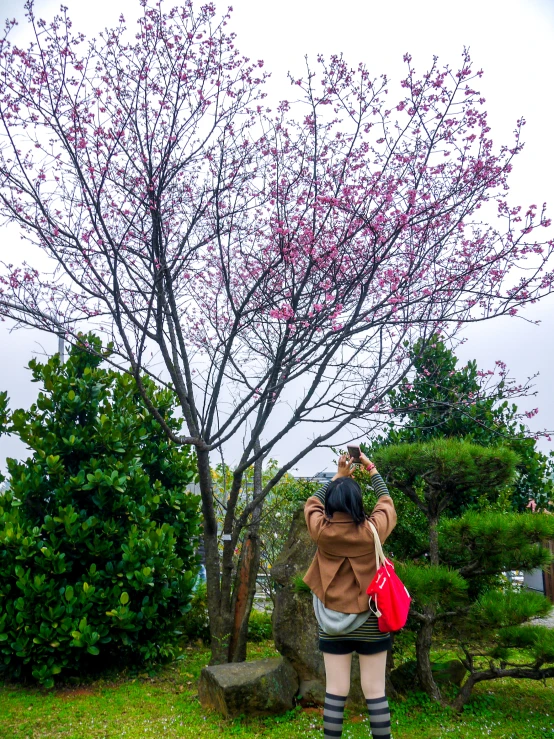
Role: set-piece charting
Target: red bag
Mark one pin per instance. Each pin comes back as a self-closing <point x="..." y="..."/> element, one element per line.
<point x="392" y="600"/>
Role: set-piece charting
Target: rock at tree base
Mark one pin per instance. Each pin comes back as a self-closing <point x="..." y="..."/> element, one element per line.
<point x="449" y="673"/>
<point x="295" y="628"/>
<point x="311" y="693"/>
<point x="260" y="688"/>
<point x="405" y="679"/>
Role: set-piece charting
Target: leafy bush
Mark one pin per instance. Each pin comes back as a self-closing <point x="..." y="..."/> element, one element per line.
<point x="195" y="624"/>
<point x="260" y="626"/>
<point x="98" y="535"/>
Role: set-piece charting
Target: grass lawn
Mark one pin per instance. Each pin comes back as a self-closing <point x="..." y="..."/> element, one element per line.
<point x="165" y="706"/>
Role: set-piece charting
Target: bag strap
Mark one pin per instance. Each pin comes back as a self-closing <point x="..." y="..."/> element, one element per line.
<point x="375" y="612"/>
<point x="379" y="554"/>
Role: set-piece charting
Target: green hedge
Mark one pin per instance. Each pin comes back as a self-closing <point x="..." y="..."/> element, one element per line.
<point x="98" y="535"/>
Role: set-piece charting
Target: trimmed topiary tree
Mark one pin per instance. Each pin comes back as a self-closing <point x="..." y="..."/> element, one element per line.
<point x="98" y="534"/>
<point x="456" y="582"/>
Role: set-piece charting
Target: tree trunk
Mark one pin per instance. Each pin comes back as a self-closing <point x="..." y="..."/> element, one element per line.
<point x="433" y="541"/>
<point x="423" y="656"/>
<point x="465" y="693"/>
<point x="220" y="622"/>
<point x="245" y="584"/>
<point x="424" y="637"/>
<point x="246" y="588"/>
<point x="390" y="690"/>
<point x="228" y="611"/>
<point x="529" y="673"/>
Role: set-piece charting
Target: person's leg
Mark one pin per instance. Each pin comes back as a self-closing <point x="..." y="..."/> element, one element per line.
<point x="337" y="687"/>
<point x="372" y="674"/>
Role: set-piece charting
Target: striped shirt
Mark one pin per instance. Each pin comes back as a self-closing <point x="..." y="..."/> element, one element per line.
<point x="379" y="486"/>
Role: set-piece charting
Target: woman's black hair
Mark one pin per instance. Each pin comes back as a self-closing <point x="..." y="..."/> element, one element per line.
<point x="344" y="495"/>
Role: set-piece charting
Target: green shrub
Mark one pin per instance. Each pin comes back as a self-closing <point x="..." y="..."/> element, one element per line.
<point x="299" y="586"/>
<point x="98" y="535"/>
<point x="195" y="624"/>
<point x="260" y="626"/>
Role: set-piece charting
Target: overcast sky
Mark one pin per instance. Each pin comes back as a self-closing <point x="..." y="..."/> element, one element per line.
<point x="512" y="40"/>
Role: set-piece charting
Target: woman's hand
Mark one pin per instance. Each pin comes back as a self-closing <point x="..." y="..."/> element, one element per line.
<point x="370" y="467"/>
<point x="345" y="468"/>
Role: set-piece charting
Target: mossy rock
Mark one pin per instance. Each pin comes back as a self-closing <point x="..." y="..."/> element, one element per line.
<point x="261" y="688"/>
<point x="405" y="679"/>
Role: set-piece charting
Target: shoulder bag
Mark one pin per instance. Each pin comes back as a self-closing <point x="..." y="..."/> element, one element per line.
<point x="387" y="591"/>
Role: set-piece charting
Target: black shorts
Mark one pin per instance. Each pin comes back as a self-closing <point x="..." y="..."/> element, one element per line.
<point x="347" y="646"/>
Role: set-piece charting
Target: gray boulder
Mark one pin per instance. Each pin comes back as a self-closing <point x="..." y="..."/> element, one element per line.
<point x="260" y="688"/>
<point x="295" y="629"/>
<point x="405" y="679"/>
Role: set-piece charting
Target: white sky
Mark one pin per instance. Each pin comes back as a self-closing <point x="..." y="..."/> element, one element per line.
<point x="512" y="40"/>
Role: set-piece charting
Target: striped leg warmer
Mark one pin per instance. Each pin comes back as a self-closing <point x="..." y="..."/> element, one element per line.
<point x="379" y="717"/>
<point x="333" y="714"/>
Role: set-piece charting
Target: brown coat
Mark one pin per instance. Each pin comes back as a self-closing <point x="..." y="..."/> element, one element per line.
<point x="345" y="562"/>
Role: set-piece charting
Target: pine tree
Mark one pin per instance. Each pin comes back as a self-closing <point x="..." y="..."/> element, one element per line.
<point x="443" y="400"/>
<point x="456" y="582"/>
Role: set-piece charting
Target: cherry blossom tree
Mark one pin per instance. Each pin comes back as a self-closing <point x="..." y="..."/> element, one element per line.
<point x="276" y="261"/>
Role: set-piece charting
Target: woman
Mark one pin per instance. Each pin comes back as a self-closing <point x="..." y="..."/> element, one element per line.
<point x="342" y="568"/>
